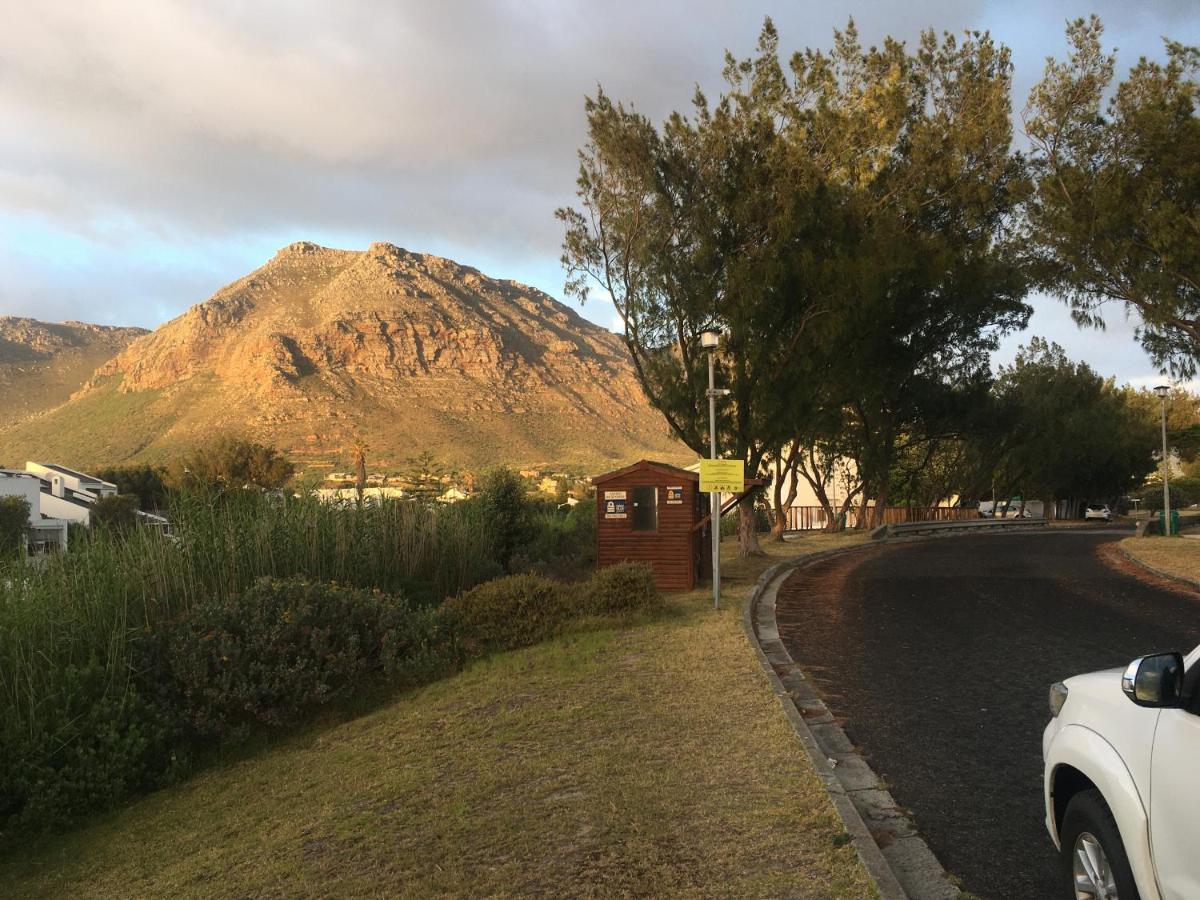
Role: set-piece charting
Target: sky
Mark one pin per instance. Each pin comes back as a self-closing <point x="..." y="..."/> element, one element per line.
<point x="154" y="151"/>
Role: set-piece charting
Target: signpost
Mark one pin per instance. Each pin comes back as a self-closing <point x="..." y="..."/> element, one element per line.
<point x="710" y="340"/>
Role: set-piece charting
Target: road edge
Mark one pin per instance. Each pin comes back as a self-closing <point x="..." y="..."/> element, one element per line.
<point x="895" y="856"/>
<point x="1183" y="580"/>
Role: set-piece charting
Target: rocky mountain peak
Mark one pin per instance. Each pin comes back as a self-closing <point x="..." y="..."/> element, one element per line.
<point x="320" y="345"/>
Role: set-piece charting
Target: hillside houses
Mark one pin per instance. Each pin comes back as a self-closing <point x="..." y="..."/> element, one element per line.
<point x="59" y="497"/>
<point x="45" y="533"/>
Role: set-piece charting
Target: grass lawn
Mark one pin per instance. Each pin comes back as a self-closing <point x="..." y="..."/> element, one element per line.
<point x="646" y="760"/>
<point x="1175" y="555"/>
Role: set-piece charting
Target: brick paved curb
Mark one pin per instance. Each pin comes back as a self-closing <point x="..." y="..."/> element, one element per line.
<point x="896" y="857"/>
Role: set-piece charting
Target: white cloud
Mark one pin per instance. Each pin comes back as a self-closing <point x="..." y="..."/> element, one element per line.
<point x="183" y="141"/>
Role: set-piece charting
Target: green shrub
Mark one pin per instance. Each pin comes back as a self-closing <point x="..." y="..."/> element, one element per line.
<point x="505" y="510"/>
<point x="559" y="542"/>
<point x="514" y="611"/>
<point x="276" y="650"/>
<point x="622" y="588"/>
<point x="92" y="748"/>
<point x="1184" y="492"/>
<point x="117" y="511"/>
<point x="14" y="519"/>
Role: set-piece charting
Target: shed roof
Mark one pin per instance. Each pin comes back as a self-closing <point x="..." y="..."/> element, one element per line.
<point x="642" y="464"/>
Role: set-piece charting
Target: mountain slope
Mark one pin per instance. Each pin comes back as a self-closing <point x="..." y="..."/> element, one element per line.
<point x="42" y="364"/>
<point x="410" y="352"/>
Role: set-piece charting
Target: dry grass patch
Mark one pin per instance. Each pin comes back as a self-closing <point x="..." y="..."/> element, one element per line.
<point x="646" y="760"/>
<point x="1179" y="556"/>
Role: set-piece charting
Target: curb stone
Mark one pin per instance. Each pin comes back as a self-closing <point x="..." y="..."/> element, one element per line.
<point x="895" y="856"/>
<point x="1169" y="576"/>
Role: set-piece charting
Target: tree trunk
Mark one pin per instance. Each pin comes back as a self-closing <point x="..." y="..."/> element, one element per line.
<point x="880" y="508"/>
<point x="784" y="502"/>
<point x="747" y="530"/>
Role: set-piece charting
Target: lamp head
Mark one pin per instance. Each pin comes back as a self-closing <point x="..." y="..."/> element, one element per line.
<point x="1163" y="390"/>
<point x="710" y="340"/>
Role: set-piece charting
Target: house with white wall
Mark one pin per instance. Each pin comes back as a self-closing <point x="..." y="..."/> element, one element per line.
<point x="46" y="533"/>
<point x="67" y="493"/>
<point x="80" y="482"/>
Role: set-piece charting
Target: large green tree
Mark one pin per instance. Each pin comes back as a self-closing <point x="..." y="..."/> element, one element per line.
<point x="848" y="227"/>
<point x="228" y="461"/>
<point x="1116" y="213"/>
<point x="920" y="140"/>
<point x="711" y="222"/>
<point x="1071" y="434"/>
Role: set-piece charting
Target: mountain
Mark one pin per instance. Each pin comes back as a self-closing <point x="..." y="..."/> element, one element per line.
<point x="406" y="351"/>
<point x="42" y="364"/>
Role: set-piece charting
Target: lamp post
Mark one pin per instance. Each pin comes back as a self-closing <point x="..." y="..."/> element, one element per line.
<point x="710" y="341"/>
<point x="1163" y="392"/>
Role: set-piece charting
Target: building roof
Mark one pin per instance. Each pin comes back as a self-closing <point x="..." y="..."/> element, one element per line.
<point x="14" y="473"/>
<point x="63" y="470"/>
<point x="74" y="497"/>
<point x="642" y="464"/>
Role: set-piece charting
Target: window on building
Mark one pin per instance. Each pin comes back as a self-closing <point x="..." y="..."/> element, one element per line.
<point x="645" y="508"/>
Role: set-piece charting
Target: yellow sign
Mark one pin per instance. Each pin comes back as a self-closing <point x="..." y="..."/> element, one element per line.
<point x="725" y="475"/>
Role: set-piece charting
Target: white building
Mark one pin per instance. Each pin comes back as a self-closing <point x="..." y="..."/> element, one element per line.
<point x="75" y="481"/>
<point x="68" y="494"/>
<point x="47" y="533"/>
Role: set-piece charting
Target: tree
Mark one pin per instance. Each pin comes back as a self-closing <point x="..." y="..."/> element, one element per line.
<point x="14" y="522"/>
<point x="1184" y="493"/>
<point x="424" y="476"/>
<point x="505" y="509"/>
<point x="1074" y="435"/>
<point x="358" y="460"/>
<point x="562" y="491"/>
<point x="711" y="222"/>
<point x="146" y="481"/>
<point x="232" y="462"/>
<point x="118" y="512"/>
<point x="1116" y="212"/>
<point x="921" y="142"/>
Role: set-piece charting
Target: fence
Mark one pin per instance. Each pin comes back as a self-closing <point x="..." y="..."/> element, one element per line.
<point x="813" y="518"/>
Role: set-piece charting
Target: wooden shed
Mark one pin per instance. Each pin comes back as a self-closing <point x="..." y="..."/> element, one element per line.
<point x="653" y="512"/>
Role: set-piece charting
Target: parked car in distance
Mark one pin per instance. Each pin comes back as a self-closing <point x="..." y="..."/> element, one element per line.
<point x="1097" y="511"/>
<point x="1120" y="783"/>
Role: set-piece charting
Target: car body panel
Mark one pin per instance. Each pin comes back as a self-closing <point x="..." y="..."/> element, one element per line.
<point x="1136" y="757"/>
<point x="1175" y="802"/>
<point x="1085" y="750"/>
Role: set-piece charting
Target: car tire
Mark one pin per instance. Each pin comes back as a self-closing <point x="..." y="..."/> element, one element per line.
<point x="1088" y="816"/>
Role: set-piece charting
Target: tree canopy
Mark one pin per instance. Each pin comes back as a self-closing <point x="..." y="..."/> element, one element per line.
<point x="1116" y="212"/>
<point x="232" y="462"/>
<point x="848" y="228"/>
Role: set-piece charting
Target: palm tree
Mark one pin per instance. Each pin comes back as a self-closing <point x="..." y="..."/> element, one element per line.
<point x="358" y="459"/>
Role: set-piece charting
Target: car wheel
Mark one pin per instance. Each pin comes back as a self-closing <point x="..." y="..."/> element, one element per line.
<point x="1093" y="857"/>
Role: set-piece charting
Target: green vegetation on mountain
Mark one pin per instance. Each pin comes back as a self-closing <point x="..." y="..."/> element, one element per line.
<point x="42" y="364"/>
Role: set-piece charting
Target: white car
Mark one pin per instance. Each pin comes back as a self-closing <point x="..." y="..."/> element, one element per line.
<point x="1097" y="511"/>
<point x="1122" y="779"/>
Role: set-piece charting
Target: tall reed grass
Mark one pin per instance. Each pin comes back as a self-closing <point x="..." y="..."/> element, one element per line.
<point x="85" y="611"/>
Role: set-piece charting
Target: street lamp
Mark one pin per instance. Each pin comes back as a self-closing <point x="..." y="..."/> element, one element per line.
<point x="710" y="341"/>
<point x="1164" y="391"/>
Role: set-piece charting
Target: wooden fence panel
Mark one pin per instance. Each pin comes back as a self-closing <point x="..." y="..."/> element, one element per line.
<point x="813" y="518"/>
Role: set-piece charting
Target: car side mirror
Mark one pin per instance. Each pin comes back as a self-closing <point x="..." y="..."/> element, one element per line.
<point x="1154" y="681"/>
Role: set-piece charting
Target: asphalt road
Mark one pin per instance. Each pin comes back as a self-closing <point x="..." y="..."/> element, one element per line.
<point x="937" y="656"/>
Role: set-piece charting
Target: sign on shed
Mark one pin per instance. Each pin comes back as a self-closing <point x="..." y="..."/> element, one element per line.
<point x="725" y="475"/>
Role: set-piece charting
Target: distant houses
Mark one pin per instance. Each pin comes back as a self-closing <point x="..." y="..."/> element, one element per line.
<point x="59" y="497"/>
<point x="68" y="494"/>
<point x="45" y="533"/>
